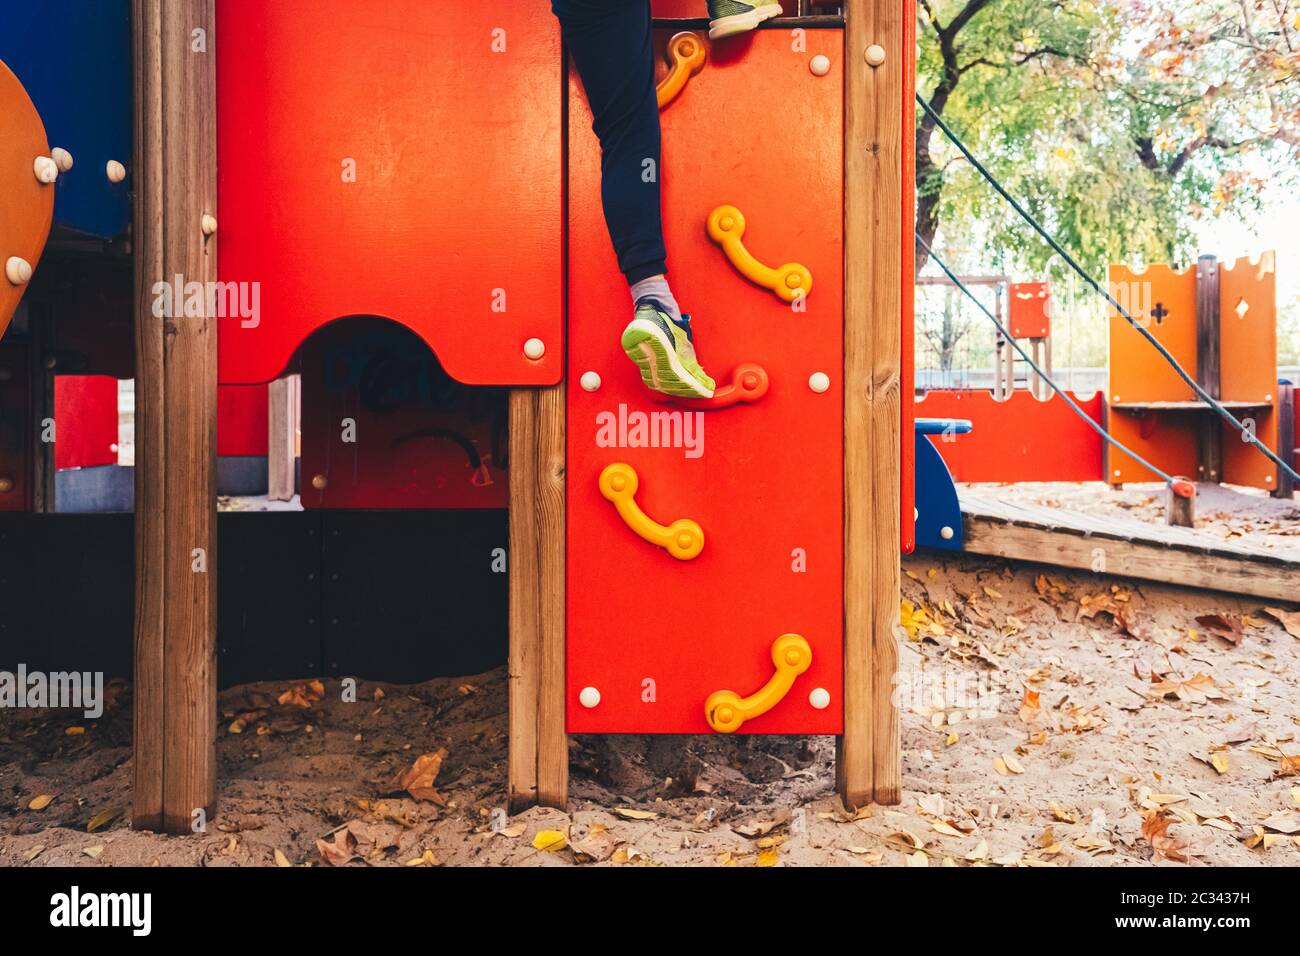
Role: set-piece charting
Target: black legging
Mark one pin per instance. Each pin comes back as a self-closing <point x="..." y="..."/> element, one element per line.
<point x="611" y="44"/>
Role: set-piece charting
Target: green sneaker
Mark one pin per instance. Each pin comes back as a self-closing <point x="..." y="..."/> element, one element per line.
<point x="729" y="17"/>
<point x="663" y="350"/>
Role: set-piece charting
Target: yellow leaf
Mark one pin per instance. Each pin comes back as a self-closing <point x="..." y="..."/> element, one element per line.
<point x="918" y="859"/>
<point x="93" y="851"/>
<point x="548" y="841"/>
<point x="41" y="802"/>
<point x="281" y="859"/>
<point x="1219" y="762"/>
<point x="104" y="818"/>
<point x="73" y="731"/>
<point x="767" y="858"/>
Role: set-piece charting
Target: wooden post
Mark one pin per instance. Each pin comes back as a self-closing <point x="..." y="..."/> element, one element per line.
<point x="1288" y="438"/>
<point x="1180" y="510"/>
<point x="538" y="760"/>
<point x="174" y="173"/>
<point x="282" y="437"/>
<point x="878" y="248"/>
<point x="1209" y="444"/>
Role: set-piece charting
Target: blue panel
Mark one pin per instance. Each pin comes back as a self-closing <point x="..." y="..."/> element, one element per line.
<point x="74" y="58"/>
<point x="940" y="426"/>
<point x="936" y="499"/>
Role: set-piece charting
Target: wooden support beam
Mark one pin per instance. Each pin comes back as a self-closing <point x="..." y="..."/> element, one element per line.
<point x="877" y="261"/>
<point x="1288" y="438"/>
<point x="174" y="184"/>
<point x="538" y="760"/>
<point x="282" y="437"/>
<point x="1209" y="435"/>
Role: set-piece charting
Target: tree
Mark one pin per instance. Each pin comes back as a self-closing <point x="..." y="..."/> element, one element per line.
<point x="1118" y="123"/>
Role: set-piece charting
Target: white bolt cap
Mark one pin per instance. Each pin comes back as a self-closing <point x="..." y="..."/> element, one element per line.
<point x="820" y="698"/>
<point x="946" y="533"/>
<point x="46" y="169"/>
<point x="534" y="349"/>
<point x="62" y="158"/>
<point x="820" y="65"/>
<point x="819" y="382"/>
<point x="916" y="514"/>
<point x="115" y="170"/>
<point x="18" y="270"/>
<point x="590" y="381"/>
<point x="1116" y="472"/>
<point x="875" y="54"/>
<point x="208" y="224"/>
<point x="1114" y="398"/>
<point x="589" y="697"/>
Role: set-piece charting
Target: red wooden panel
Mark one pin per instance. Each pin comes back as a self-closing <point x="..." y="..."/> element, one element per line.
<point x="768" y="478"/>
<point x="1167" y="439"/>
<point x="242" y="420"/>
<point x="1021" y="439"/>
<point x="1030" y="310"/>
<point x="451" y="115"/>
<point x="85" y="421"/>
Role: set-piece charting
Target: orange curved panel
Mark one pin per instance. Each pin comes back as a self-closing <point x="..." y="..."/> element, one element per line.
<point x="1164" y="301"/>
<point x="401" y="160"/>
<point x="28" y="205"/>
<point x="1248" y="330"/>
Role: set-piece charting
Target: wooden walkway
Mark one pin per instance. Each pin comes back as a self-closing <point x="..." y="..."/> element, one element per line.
<point x="1128" y="548"/>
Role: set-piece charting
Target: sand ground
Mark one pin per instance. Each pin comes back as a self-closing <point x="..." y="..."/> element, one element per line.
<point x="1049" y="718"/>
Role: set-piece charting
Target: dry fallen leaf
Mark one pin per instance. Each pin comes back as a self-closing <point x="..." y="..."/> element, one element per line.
<point x="1222" y="626"/>
<point x="281" y="859"/>
<point x="104" y="818"/>
<point x="342" y="850"/>
<point x="40" y="802"/>
<point x="628" y="813"/>
<point x="1029" y="706"/>
<point x="1155" y="826"/>
<point x="596" y="846"/>
<point x="1290" y="620"/>
<point x="418" y="780"/>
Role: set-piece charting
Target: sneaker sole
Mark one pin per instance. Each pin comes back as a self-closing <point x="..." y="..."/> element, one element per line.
<point x="742" y="22"/>
<point x="646" y="345"/>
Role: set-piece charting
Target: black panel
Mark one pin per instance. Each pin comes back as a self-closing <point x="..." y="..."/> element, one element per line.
<point x="268" y="596"/>
<point x="411" y="595"/>
<point x="66" y="601"/>
<point x="388" y="595"/>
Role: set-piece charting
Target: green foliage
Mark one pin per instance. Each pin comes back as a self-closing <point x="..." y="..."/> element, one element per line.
<point x="1120" y="124"/>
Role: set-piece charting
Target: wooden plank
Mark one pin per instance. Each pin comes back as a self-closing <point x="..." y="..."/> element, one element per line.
<point x="1132" y="559"/>
<point x="282" y="437"/>
<point x="538" y="760"/>
<point x="1108" y="528"/>
<point x="176" y="416"/>
<point x="867" y="756"/>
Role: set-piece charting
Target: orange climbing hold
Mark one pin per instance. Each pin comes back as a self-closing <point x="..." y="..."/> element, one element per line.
<point x="686" y="54"/>
<point x="787" y="282"/>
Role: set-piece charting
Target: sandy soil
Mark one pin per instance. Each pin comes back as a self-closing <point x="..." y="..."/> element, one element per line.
<point x="1247" y="515"/>
<point x="1049" y="719"/>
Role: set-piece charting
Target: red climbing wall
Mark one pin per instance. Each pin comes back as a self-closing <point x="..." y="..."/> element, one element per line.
<point x="766" y="484"/>
<point x="343" y="189"/>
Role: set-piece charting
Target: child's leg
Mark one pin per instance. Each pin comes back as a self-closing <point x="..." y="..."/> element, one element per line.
<point x="610" y="41"/>
<point x="611" y="44"/>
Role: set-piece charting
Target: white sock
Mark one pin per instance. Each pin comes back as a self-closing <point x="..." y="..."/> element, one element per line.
<point x="656" y="287"/>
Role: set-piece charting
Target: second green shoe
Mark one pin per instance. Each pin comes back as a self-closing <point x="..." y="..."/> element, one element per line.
<point x="662" y="349"/>
<point x="729" y="17"/>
